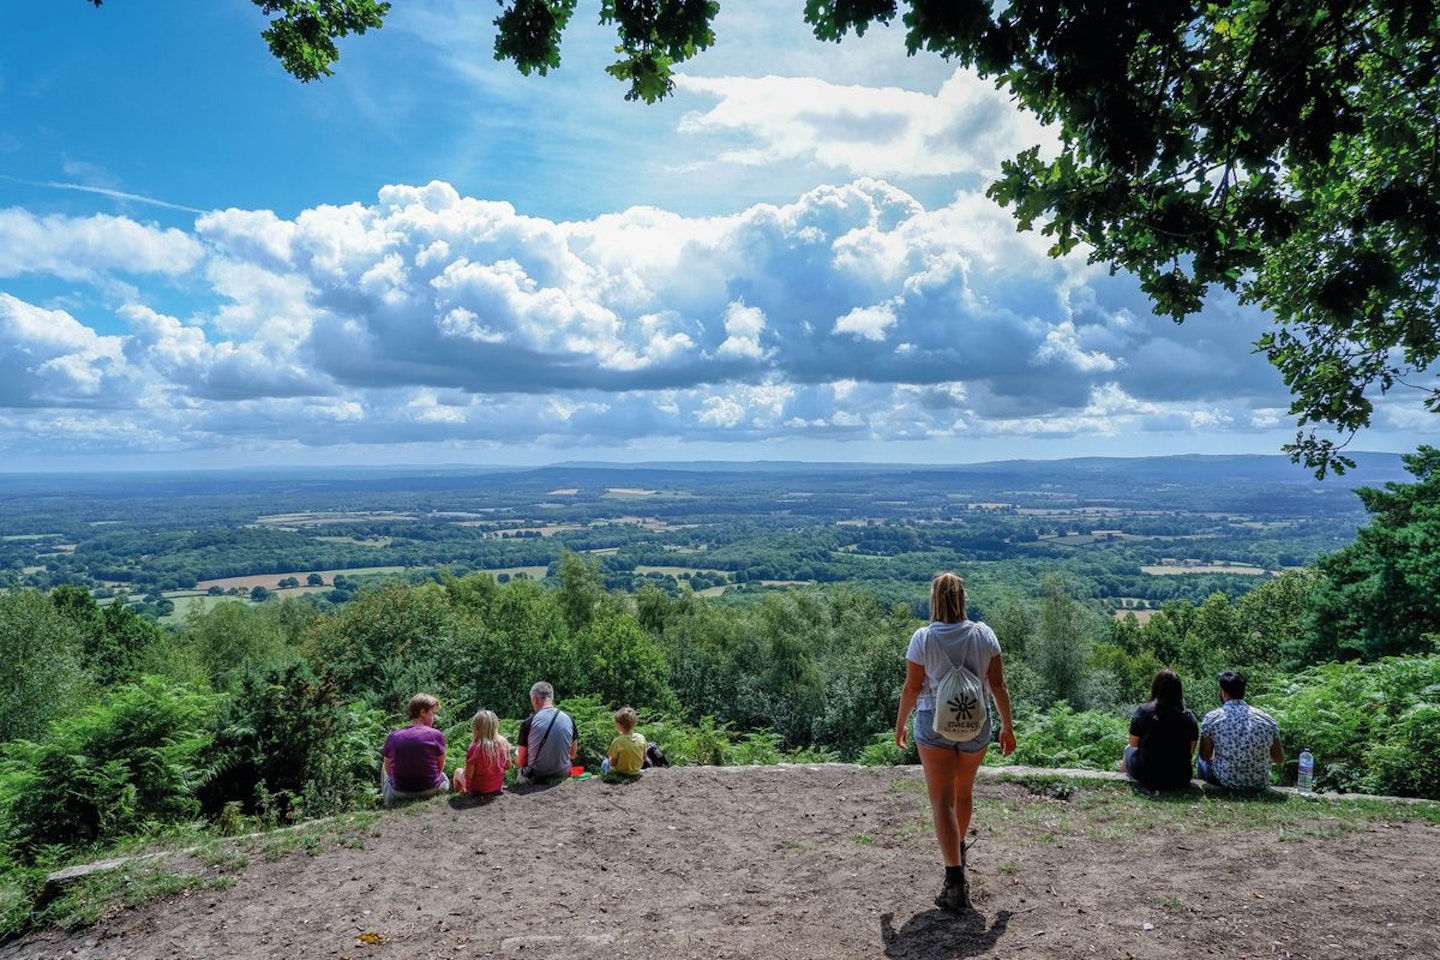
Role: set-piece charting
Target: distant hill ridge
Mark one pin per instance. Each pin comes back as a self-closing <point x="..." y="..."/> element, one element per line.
<point x="1372" y="469"/>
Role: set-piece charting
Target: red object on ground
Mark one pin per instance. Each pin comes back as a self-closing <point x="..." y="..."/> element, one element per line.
<point x="576" y="771"/>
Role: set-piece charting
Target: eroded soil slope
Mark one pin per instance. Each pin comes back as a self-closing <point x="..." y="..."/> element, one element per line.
<point x="818" y="863"/>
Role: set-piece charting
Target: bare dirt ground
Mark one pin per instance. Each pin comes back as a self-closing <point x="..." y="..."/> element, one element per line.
<point x="820" y="862"/>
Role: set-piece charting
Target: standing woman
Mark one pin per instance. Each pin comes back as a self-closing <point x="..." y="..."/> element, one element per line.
<point x="950" y="767"/>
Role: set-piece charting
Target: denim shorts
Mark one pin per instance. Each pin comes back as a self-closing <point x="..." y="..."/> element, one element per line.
<point x="925" y="736"/>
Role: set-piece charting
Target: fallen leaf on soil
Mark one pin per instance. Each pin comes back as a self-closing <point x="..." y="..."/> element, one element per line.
<point x="371" y="938"/>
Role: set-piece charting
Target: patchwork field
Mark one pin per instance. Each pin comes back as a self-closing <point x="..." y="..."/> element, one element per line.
<point x="269" y="580"/>
<point x="1175" y="570"/>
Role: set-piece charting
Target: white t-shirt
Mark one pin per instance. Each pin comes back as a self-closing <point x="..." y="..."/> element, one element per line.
<point x="940" y="646"/>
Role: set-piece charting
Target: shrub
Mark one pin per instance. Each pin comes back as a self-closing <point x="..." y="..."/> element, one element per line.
<point x="118" y="767"/>
<point x="286" y="739"/>
<point x="1371" y="726"/>
<point x="595" y="724"/>
<point x="706" y="743"/>
<point x="760" y="748"/>
<point x="1060" y="737"/>
<point x="881" y="751"/>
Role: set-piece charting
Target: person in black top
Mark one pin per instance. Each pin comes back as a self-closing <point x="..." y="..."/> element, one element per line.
<point x="1163" y="735"/>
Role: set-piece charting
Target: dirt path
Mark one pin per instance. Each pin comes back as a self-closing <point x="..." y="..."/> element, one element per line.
<point x="819" y="863"/>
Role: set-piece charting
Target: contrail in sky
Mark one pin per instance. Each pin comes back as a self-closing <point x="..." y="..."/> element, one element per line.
<point x="104" y="192"/>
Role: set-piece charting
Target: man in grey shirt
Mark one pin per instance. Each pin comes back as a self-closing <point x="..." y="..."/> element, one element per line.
<point x="548" y="741"/>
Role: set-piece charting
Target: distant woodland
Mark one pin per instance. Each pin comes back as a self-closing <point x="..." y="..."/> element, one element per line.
<point x="230" y="649"/>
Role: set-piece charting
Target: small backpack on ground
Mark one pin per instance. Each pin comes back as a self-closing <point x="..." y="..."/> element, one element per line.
<point x="961" y="703"/>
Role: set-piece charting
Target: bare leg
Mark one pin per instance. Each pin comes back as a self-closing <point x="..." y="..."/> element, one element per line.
<point x="950" y="782"/>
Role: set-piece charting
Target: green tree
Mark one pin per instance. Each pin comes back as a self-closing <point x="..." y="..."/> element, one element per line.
<point x="1272" y="619"/>
<point x="582" y="589"/>
<point x="1013" y="620"/>
<point x="704" y="645"/>
<point x="233" y="637"/>
<point x="388" y="643"/>
<point x="40" y="674"/>
<point x="1125" y="657"/>
<point x="114" y="639"/>
<point x="864" y="673"/>
<point x="623" y="665"/>
<point x="1060" y="650"/>
<point x="1281" y="149"/>
<point x="302" y="33"/>
<point x="654" y="608"/>
<point x="1380" y="596"/>
<point x="509" y="637"/>
<point x="123" y="642"/>
<point x="1212" y="642"/>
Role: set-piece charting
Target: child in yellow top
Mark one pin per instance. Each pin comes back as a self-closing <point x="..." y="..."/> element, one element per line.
<point x="627" y="751"/>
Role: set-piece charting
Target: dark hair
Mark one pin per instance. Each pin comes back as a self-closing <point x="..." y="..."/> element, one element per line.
<point x="1166" y="692"/>
<point x="1233" y="683"/>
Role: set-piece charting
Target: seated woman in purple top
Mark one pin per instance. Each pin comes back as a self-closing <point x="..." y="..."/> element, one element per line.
<point x="414" y="756"/>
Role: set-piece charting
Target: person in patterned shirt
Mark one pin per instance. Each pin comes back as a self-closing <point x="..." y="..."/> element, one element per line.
<point x="1238" y="742"/>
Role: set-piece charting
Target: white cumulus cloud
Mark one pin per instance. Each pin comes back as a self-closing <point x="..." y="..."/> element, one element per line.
<point x="852" y="312"/>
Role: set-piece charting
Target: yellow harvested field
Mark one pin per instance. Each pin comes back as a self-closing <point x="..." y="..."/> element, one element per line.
<point x="313" y="519"/>
<point x="268" y="580"/>
<point x="676" y="571"/>
<point x="1175" y="571"/>
<point x="648" y="523"/>
<point x="534" y="573"/>
<point x="498" y="528"/>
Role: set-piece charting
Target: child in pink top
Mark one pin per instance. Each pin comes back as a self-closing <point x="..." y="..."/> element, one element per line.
<point x="487" y="759"/>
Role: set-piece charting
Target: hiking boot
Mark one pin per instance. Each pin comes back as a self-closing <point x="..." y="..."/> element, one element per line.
<point x="953" y="897"/>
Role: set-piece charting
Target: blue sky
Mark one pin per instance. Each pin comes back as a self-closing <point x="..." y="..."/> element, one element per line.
<point x="429" y="258"/>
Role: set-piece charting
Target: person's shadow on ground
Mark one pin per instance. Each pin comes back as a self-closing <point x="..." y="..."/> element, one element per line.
<point x="535" y="786"/>
<point x="937" y="934"/>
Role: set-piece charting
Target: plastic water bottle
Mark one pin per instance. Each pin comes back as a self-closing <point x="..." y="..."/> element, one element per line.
<point x="1305" y="779"/>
